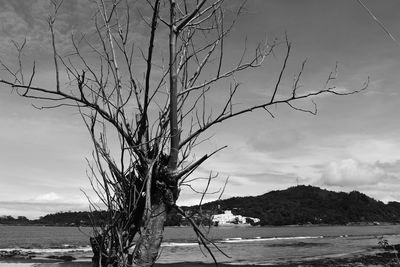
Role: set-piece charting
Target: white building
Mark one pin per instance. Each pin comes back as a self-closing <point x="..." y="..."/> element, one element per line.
<point x="228" y="218"/>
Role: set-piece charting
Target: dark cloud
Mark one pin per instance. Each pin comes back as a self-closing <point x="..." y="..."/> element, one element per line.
<point x="276" y="140"/>
<point x="392" y="167"/>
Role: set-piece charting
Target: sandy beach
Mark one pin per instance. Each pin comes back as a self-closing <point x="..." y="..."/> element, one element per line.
<point x="384" y="258"/>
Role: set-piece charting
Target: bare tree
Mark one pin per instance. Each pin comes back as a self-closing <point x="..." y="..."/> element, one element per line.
<point x="157" y="119"/>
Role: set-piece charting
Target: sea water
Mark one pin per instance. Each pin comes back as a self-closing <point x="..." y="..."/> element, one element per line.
<point x="242" y="245"/>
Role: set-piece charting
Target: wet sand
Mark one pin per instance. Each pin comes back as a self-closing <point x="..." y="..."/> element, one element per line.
<point x="380" y="259"/>
<point x="383" y="258"/>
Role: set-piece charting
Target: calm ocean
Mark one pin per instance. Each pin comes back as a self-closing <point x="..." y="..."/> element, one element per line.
<point x="244" y="245"/>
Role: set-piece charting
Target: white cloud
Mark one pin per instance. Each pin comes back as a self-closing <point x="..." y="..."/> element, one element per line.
<point x="351" y="172"/>
<point x="384" y="149"/>
<point x="47" y="203"/>
<point x="32" y="209"/>
<point x="49" y="197"/>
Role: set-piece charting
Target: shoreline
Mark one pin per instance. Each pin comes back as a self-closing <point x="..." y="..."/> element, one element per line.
<point x="350" y="247"/>
<point x="349" y="224"/>
<point x="386" y="257"/>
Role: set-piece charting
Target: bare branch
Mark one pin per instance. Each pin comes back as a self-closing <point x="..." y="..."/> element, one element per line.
<point x="383" y="27"/>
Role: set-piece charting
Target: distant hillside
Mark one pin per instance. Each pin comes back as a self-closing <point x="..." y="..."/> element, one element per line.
<point x="80" y="218"/>
<point x="308" y="204"/>
<point x="295" y="205"/>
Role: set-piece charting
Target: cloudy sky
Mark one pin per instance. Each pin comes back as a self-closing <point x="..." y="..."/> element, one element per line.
<point x="352" y="144"/>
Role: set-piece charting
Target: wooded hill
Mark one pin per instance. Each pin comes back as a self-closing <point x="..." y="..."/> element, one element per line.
<point x="310" y="205"/>
<point x="295" y="205"/>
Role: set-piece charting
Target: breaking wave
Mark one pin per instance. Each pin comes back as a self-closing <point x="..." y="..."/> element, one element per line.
<point x="71" y="248"/>
<point x="179" y="244"/>
<point x="260" y="239"/>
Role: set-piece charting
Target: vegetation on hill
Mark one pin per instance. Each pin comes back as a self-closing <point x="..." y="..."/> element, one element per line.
<point x="80" y="218"/>
<point x="295" y="205"/>
<point x="310" y="205"/>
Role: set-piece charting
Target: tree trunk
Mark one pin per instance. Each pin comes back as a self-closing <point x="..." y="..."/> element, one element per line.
<point x="146" y="251"/>
<point x="150" y="241"/>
